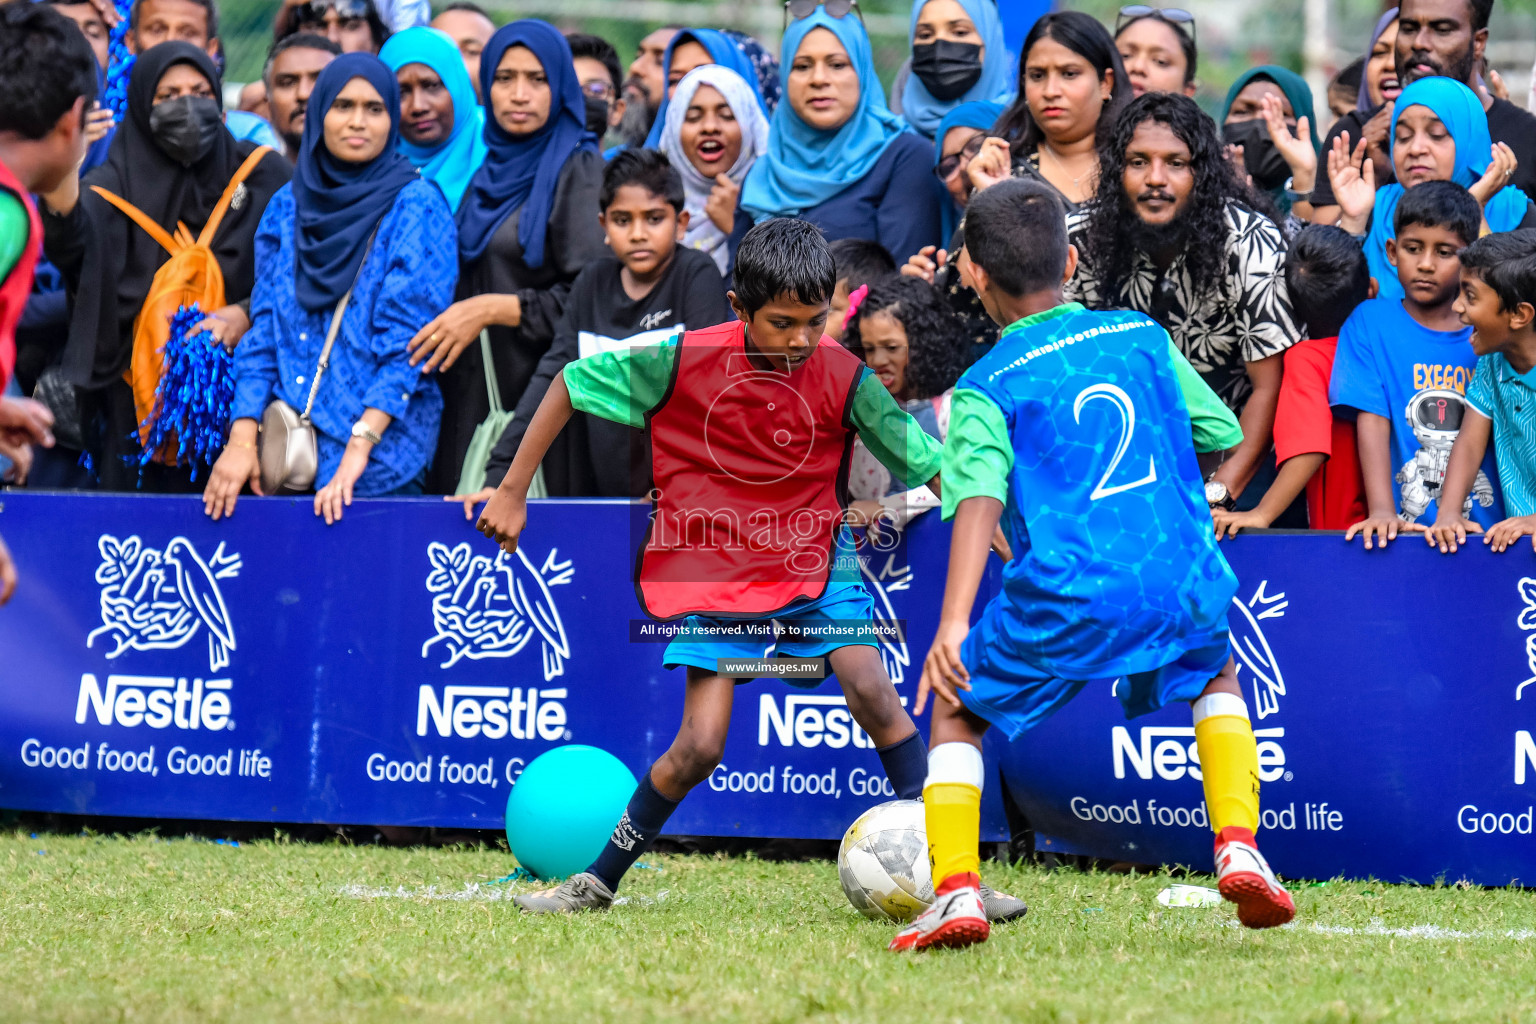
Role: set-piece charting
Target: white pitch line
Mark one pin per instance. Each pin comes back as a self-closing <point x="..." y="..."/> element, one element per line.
<point x="1418" y="931"/>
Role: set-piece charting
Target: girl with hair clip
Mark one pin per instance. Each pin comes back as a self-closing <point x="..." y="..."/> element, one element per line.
<point x="910" y="340"/>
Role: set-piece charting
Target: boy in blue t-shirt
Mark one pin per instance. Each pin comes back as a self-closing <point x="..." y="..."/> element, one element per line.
<point x="1403" y="366"/>
<point x="1074" y="433"/>
<point x="1498" y="300"/>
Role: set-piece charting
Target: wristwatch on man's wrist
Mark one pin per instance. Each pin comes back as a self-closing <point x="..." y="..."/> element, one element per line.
<point x="1216" y="496"/>
<point x="363" y="430"/>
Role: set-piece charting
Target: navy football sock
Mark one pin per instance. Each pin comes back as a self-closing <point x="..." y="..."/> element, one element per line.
<point x="906" y="765"/>
<point x="643" y="819"/>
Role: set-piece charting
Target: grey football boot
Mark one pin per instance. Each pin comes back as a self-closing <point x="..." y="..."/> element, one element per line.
<point x="579" y="892"/>
<point x="1001" y="907"/>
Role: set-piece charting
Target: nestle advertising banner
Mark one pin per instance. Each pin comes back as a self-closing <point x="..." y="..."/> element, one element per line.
<point x="394" y="669"/>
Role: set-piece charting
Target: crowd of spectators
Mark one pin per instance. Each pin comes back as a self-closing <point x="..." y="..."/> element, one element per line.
<point x="470" y="208"/>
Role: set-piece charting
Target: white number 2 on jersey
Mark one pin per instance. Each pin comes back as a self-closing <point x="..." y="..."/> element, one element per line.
<point x="1122" y="402"/>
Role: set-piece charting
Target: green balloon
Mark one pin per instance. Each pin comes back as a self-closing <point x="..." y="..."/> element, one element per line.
<point x="563" y="808"/>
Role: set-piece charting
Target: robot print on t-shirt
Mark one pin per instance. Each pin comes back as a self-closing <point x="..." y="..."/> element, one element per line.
<point x="1435" y="416"/>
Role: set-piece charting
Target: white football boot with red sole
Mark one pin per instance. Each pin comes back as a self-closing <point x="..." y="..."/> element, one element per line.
<point x="1243" y="877"/>
<point x="955" y="920"/>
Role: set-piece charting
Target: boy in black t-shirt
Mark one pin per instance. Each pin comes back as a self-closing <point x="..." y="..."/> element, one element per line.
<point x="647" y="291"/>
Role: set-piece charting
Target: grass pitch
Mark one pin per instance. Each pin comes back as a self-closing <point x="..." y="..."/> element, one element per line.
<point x="102" y="928"/>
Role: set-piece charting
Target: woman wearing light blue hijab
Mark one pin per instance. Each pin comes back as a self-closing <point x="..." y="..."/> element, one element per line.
<point x="451" y="162"/>
<point x="958" y="56"/>
<point x="1464" y="158"/>
<point x="837" y="156"/>
<point x="960" y="129"/>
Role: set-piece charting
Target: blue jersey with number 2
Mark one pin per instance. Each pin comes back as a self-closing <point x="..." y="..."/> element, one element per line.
<point x="1115" y="568"/>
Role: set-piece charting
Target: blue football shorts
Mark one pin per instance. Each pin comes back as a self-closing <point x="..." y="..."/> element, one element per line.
<point x="841" y="617"/>
<point x="1016" y="696"/>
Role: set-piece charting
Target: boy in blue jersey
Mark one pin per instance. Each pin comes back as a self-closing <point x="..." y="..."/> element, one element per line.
<point x="1074" y="432"/>
<point x="1402" y="370"/>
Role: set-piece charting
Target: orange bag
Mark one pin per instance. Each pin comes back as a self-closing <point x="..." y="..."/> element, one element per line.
<point x="191" y="275"/>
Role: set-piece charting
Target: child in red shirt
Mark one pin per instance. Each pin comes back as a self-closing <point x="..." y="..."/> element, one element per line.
<point x="1327" y="277"/>
<point x="47" y="84"/>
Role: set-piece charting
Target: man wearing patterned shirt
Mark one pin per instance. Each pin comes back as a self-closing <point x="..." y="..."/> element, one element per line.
<point x="1174" y="235"/>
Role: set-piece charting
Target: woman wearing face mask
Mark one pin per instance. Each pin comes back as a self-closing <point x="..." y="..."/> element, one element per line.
<point x="713" y="147"/>
<point x="958" y="56"/>
<point x="527" y="226"/>
<point x="1157" y="46"/>
<point x="172" y="158"/>
<point x="1439" y="133"/>
<point x="1071" y="82"/>
<point x="442" y="125"/>
<point x="837" y="156"/>
<point x="1247" y="134"/>
<point x="694" y="48"/>
<point x="358" y="223"/>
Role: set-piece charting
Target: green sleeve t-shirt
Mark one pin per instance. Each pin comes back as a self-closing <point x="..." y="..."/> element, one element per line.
<point x="625" y="385"/>
<point x="14" y="228"/>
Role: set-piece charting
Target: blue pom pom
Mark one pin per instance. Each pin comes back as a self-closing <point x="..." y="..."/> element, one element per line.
<point x="119" y="64"/>
<point x="192" y="403"/>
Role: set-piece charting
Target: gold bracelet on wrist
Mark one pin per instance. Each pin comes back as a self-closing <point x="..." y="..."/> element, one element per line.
<point x="241" y="444"/>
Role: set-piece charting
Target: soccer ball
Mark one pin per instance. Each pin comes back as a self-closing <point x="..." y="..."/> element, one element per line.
<point x="883" y="862"/>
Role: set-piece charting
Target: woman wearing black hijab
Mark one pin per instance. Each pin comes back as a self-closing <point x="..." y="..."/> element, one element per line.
<point x="172" y="158"/>
<point x="527" y="226"/>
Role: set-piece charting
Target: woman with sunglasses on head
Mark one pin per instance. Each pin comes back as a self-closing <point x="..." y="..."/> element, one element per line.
<point x="350" y="257"/>
<point x="958" y="57"/>
<point x="527" y="226"/>
<point x="1157" y="45"/>
<point x="837" y="156"/>
<point x="356" y="26"/>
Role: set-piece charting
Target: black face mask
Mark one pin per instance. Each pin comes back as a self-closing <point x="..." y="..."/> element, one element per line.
<point x="186" y="127"/>
<point x="947" y="69"/>
<point x="1263" y="161"/>
<point x="597" y="116"/>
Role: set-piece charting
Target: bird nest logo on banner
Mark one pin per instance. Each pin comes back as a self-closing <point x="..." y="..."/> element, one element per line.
<point x="484" y="607"/>
<point x="892" y="632"/>
<point x="159" y="598"/>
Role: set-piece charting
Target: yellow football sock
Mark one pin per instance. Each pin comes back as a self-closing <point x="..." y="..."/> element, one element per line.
<point x="953" y="810"/>
<point x="1229" y="760"/>
<point x="952" y="807"/>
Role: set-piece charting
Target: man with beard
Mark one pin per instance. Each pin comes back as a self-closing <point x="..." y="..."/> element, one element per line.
<point x="1434" y="37"/>
<point x="646" y="85"/>
<point x="1174" y="234"/>
<point x="293" y="65"/>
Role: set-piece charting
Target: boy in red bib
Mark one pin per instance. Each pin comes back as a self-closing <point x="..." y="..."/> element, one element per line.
<point x="751" y="427"/>
<point x="47" y="84"/>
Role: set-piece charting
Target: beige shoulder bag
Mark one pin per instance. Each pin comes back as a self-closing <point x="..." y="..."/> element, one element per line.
<point x="288" y="451"/>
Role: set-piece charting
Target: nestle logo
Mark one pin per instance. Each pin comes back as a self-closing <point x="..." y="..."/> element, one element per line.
<point x="493" y="712"/>
<point x="1175" y="754"/>
<point x="156" y="701"/>
<point x="803" y="723"/>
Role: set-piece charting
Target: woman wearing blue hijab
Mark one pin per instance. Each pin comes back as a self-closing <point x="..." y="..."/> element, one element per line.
<point x="357" y="222"/>
<point x="458" y="149"/>
<point x="527" y="226"/>
<point x="958" y="56"/>
<point x="959" y="129"/>
<point x="837" y="156"/>
<point x="1420" y="153"/>
<point x="721" y="49"/>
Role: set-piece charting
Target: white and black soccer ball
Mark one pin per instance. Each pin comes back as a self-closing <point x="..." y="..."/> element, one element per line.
<point x="883" y="862"/>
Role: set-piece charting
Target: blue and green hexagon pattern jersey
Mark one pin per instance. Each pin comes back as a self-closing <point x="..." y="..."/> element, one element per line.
<point x="1080" y="422"/>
